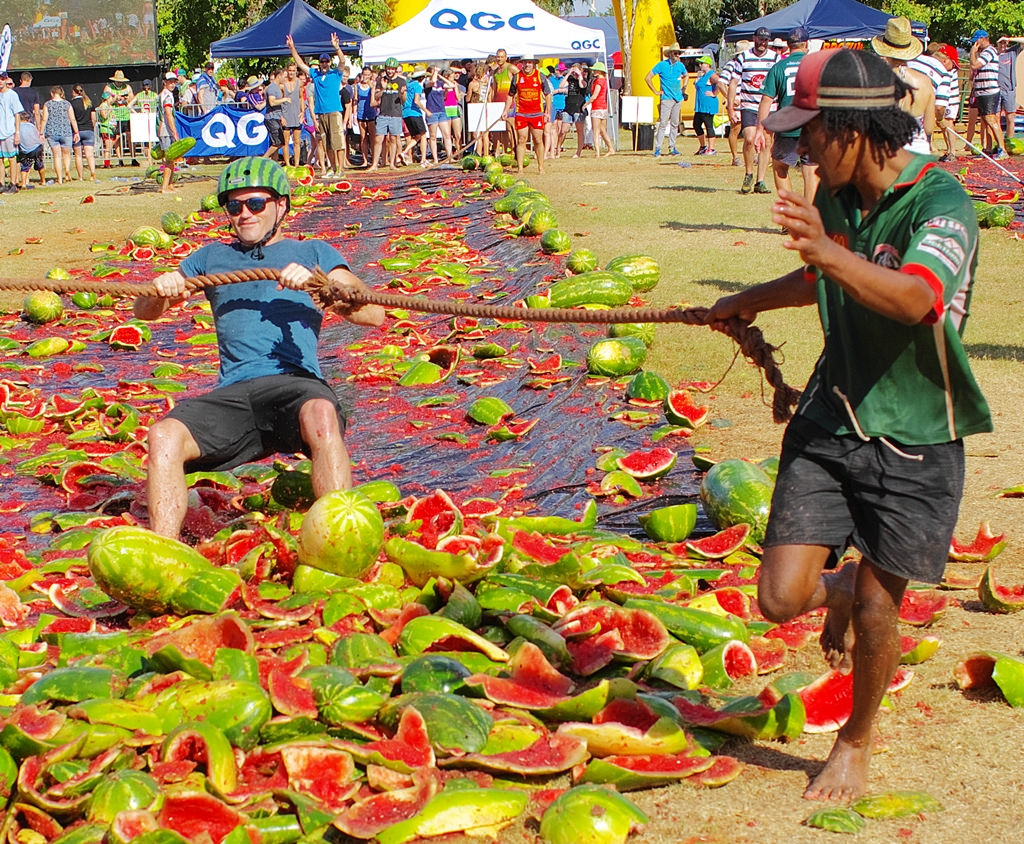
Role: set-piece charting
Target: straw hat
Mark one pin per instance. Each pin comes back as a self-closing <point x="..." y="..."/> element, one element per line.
<point x="671" y="48"/>
<point x="118" y="76"/>
<point x="897" y="42"/>
<point x="252" y="82"/>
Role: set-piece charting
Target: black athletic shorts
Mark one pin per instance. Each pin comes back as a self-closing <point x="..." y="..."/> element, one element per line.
<point x="250" y="420"/>
<point x="415" y="126"/>
<point x="274" y="132"/>
<point x="748" y="118"/>
<point x="987" y="104"/>
<point x="784" y="150"/>
<point x="897" y="509"/>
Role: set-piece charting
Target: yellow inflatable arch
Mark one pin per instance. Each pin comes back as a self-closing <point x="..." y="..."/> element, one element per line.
<point x="651" y="31"/>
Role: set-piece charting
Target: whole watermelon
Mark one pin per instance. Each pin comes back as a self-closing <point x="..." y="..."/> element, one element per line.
<point x="555" y="242"/>
<point x="469" y="162"/>
<point x="581" y="261"/>
<point x="146" y="236"/>
<point x="541" y="221"/>
<point x="42" y="306"/>
<point x="736" y="491"/>
<point x="616" y="356"/>
<point x="342" y="533"/>
<point x="642" y="271"/>
<point x="173" y="223"/>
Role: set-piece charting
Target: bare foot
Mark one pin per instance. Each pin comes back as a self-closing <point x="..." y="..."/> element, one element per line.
<point x="837" y="635"/>
<point x="844" y="777"/>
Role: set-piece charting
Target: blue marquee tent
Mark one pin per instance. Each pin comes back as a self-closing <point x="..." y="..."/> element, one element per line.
<point x="310" y="29"/>
<point x="842" y="19"/>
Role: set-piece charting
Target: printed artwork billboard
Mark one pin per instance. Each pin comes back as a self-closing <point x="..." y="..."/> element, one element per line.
<point x="80" y="33"/>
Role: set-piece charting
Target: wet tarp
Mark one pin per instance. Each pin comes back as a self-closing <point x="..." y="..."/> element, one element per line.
<point x="417" y="436"/>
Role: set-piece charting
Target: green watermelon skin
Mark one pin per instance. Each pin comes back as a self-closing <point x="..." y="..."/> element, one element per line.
<point x="735" y="491"/>
<point x="540" y="221"/>
<point x="581" y="261"/>
<point x="642" y="271"/>
<point x="616" y="356"/>
<point x="555" y="242"/>
<point x="643" y="330"/>
<point x="594" y="288"/>
<point x="999" y="216"/>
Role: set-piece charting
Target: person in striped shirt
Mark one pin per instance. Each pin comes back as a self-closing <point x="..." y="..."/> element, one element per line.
<point x="725" y="75"/>
<point x="985" y="63"/>
<point x="779" y="87"/>
<point x="753" y="67"/>
<point x="947" y="96"/>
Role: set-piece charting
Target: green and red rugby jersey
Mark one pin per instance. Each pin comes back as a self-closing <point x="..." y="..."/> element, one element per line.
<point x="877" y="377"/>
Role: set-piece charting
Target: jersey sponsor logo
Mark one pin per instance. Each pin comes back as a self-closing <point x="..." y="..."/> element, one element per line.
<point x="888" y="256"/>
<point x="947" y="223"/>
<point x="948" y="250"/>
<point x="486" y="21"/>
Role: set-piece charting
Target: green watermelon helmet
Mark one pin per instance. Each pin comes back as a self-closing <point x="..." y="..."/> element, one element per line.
<point x="392" y="62"/>
<point x="253" y="172"/>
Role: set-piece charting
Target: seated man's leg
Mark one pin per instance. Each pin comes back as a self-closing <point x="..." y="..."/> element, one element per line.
<point x="171" y="445"/>
<point x="321" y="431"/>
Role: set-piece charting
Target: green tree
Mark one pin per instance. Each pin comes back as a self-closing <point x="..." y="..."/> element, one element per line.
<point x="557" y="7"/>
<point x="701" y="21"/>
<point x="953" y="21"/>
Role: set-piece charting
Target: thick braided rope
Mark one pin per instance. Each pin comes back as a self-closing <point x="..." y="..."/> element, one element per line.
<point x="751" y="341"/>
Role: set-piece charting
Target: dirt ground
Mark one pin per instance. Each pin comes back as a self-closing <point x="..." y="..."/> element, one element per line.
<point x="962" y="749"/>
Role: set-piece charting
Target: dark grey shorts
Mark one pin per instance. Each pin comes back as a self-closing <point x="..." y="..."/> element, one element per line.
<point x="838" y="491"/>
<point x="784" y="150"/>
<point x="987" y="104"/>
<point x="250" y="420"/>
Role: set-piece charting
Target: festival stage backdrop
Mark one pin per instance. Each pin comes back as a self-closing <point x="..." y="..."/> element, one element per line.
<point x="80" y="33"/>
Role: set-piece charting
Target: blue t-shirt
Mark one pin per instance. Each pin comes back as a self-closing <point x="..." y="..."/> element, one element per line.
<point x="326" y="90"/>
<point x="262" y="330"/>
<point x="557" y="99"/>
<point x="670" y="74"/>
<point x="412" y="90"/>
<point x="707" y="100"/>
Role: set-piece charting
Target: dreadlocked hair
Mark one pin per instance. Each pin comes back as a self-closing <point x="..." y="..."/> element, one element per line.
<point x="887" y="130"/>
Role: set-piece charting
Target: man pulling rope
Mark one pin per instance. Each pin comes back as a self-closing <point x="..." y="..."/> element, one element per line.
<point x="270" y="396"/>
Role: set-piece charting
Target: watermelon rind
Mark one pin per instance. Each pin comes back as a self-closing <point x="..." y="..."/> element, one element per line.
<point x="555" y="242"/>
<point x="998" y="598"/>
<point x="720" y="545"/>
<point x="895" y="804"/>
<point x="590" y="813"/>
<point x="643" y="330"/>
<point x="670" y="524"/>
<point x="342" y="533"/>
<point x="680" y="409"/>
<point x="836" y="819"/>
<point x="42" y="306"/>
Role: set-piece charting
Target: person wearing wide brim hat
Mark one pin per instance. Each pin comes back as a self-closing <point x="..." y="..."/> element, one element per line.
<point x="121" y="95"/>
<point x="897" y="45"/>
<point x="119" y="77"/>
<point x="897" y="42"/>
<point x="252" y="83"/>
<point x="671" y="92"/>
<point x="887" y="251"/>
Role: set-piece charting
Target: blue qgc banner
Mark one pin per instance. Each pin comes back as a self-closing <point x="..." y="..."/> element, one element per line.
<point x="224" y="131"/>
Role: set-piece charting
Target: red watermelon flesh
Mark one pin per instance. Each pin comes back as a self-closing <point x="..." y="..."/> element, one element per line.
<point x="533" y="682"/>
<point x="438" y="517"/>
<point x="648" y="465"/>
<point x="536" y="547"/>
<point x="985" y="546"/>
<point x="193" y="814"/>
<point x="367" y="817"/>
<point x="724" y="770"/>
<point x="796" y="634"/>
<point x="642" y="635"/>
<point x="550" y="754"/>
<point x="922" y="608"/>
<point x="828" y="701"/>
<point x="632" y="713"/>
<point x="769" y="654"/>
<point x="721" y="544"/>
<point x="324" y="773"/>
<point x="680" y="409"/>
<point x="595" y="652"/>
<point x="126" y="337"/>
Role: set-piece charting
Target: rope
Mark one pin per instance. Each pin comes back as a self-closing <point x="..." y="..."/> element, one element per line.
<point x="751" y="341"/>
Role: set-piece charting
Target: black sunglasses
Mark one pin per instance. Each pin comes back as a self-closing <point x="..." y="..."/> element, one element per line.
<point x="256" y="205"/>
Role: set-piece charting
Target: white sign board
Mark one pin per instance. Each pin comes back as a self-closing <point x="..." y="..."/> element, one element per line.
<point x="143" y="128"/>
<point x="484" y="117"/>
<point x="637" y="110"/>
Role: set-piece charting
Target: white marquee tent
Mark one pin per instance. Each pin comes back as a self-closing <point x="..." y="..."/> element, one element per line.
<point x="472" y="29"/>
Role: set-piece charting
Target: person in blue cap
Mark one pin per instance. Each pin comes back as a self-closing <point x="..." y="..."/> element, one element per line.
<point x="985" y="90"/>
<point x="327" y="106"/>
